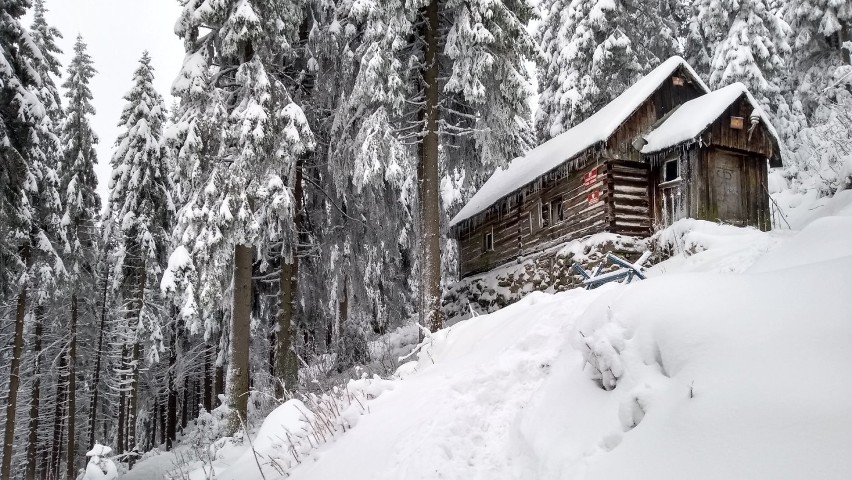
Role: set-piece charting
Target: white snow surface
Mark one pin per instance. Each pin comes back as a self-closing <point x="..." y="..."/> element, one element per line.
<point x="732" y="360"/>
<point x="693" y="117"/>
<point x="549" y="155"/>
<point x="724" y="370"/>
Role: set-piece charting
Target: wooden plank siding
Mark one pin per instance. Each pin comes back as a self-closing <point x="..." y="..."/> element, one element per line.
<point x="622" y="184"/>
<point x="628" y="203"/>
<point x="758" y="141"/>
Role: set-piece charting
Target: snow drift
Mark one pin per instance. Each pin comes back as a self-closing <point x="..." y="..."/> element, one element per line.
<point x="732" y="361"/>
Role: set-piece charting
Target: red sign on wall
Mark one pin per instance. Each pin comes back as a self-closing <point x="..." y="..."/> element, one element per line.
<point x="594" y="197"/>
<point x="590" y="177"/>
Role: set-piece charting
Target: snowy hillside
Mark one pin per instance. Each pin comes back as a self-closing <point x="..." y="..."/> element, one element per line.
<point x="729" y="362"/>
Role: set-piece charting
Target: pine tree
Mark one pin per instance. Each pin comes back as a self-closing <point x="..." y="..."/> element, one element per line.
<point x="82" y="205"/>
<point x="248" y="188"/>
<point x="593" y="51"/>
<point x="139" y="219"/>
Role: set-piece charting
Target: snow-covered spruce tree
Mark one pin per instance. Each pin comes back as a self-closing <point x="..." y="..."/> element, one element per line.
<point x="354" y="257"/>
<point x="439" y="74"/>
<point x="819" y="59"/>
<point x="138" y="223"/>
<point x="745" y="41"/>
<point x="29" y="203"/>
<point x="819" y="82"/>
<point x="595" y="49"/>
<point x="82" y="207"/>
<point x="48" y="214"/>
<point x="246" y="198"/>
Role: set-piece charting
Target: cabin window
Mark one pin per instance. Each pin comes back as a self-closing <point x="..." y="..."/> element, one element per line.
<point x="671" y="170"/>
<point x="544" y="208"/>
<point x="488" y="241"/>
<point x="557" y="212"/>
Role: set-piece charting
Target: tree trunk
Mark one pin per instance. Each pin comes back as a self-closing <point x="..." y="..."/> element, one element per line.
<point x="72" y="391"/>
<point x="14" y="376"/>
<point x="58" y="417"/>
<point x="238" y="365"/>
<point x="171" y="402"/>
<point x="286" y="366"/>
<point x="35" y="398"/>
<point x="133" y="402"/>
<point x="283" y="336"/>
<point x="219" y="371"/>
<point x="209" y="358"/>
<point x="96" y="375"/>
<point x="430" y="196"/>
<point x="122" y="402"/>
<point x="184" y="406"/>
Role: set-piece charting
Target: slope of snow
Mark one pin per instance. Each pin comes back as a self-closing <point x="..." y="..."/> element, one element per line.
<point x="732" y="360"/>
<point x="693" y="117"/>
<point x="718" y="375"/>
<point x="553" y="153"/>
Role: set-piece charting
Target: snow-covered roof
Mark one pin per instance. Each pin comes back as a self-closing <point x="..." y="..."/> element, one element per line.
<point x="549" y="155"/>
<point x="693" y="117"/>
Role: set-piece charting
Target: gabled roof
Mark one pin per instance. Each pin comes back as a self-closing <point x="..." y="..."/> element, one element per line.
<point x="694" y="117"/>
<point x="597" y="128"/>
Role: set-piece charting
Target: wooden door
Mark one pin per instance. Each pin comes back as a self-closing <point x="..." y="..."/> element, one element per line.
<point x="726" y="188"/>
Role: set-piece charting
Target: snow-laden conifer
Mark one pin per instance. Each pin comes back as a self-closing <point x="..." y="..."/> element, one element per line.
<point x="449" y="80"/>
<point x="48" y="268"/>
<point x="744" y="41"/>
<point x="82" y="206"/>
<point x="138" y="223"/>
<point x="29" y="202"/>
<point x="593" y="51"/>
<point x="247" y="194"/>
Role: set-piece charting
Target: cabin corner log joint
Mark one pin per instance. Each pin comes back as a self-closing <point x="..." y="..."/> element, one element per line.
<point x="665" y="149"/>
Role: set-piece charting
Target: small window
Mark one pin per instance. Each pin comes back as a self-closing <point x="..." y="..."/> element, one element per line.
<point x="545" y="214"/>
<point x="671" y="170"/>
<point x="557" y="212"/>
<point x="488" y="241"/>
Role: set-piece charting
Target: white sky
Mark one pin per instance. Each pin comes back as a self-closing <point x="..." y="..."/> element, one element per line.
<point x="117" y="32"/>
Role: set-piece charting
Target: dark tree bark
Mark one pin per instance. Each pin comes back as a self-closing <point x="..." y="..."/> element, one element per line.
<point x="59" y="416"/>
<point x="35" y="398"/>
<point x="14" y="376"/>
<point x="184" y="406"/>
<point x="71" y="450"/>
<point x="219" y="371"/>
<point x="171" y="402"/>
<point x="96" y="374"/>
<point x="133" y="401"/>
<point x="120" y="443"/>
<point x="209" y="358"/>
<point x="429" y="181"/>
<point x="238" y="366"/>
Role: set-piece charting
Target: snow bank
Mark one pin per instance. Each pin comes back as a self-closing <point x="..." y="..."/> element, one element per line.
<point x="710" y="375"/>
<point x="730" y="361"/>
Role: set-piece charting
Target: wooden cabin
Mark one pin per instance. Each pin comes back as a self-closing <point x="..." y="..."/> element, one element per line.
<point x="664" y="149"/>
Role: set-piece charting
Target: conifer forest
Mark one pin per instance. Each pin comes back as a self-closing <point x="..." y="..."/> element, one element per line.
<point x="281" y="216"/>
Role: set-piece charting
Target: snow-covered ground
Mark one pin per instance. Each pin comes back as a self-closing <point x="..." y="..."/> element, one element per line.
<point x="733" y="360"/>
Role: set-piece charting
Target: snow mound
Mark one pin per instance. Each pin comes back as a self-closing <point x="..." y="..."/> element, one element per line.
<point x="690" y="374"/>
